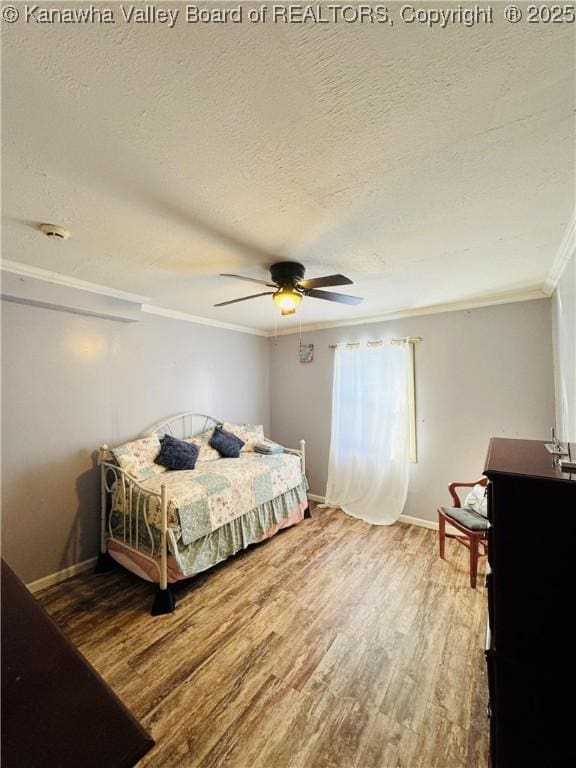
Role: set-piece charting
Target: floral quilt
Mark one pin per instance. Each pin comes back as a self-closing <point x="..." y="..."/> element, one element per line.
<point x="203" y="499"/>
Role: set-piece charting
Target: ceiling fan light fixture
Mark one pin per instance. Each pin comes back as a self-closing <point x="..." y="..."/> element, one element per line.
<point x="287" y="299"/>
<point x="287" y="278"/>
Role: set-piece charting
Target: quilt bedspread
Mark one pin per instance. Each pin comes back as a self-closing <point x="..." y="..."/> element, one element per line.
<point x="204" y="499"/>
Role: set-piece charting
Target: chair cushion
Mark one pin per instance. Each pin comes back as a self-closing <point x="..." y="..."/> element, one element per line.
<point x="466" y="517"/>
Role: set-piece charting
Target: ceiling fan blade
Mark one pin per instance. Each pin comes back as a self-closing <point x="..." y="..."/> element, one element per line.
<point x="250" y="279"/>
<point x="324" y="282"/>
<point x="244" y="298"/>
<point x="329" y="296"/>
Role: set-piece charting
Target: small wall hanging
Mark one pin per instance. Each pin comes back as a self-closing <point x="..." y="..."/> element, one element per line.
<point x="306" y="353"/>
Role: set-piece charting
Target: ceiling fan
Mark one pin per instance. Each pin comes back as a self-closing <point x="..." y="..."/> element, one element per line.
<point x="290" y="286"/>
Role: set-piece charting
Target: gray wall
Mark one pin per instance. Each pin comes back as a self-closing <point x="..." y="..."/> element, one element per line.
<point x="71" y="383"/>
<point x="479" y="373"/>
<point x="564" y="330"/>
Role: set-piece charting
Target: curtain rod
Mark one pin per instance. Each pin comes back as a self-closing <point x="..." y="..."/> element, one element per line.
<point x="403" y="340"/>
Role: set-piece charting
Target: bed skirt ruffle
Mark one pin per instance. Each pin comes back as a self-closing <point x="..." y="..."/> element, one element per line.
<point x="186" y="560"/>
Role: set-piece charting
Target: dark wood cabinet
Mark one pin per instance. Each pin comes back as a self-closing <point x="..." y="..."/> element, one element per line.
<point x="57" y="712"/>
<point x="531" y="647"/>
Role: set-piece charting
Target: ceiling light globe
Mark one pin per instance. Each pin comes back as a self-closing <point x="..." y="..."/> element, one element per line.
<point x="287" y="299"/>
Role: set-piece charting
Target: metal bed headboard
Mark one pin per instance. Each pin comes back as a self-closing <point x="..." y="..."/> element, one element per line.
<point x="183" y="425"/>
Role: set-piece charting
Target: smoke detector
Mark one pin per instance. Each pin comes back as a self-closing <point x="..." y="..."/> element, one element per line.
<point x="54" y="232"/>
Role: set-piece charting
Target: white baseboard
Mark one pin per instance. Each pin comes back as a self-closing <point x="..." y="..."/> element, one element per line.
<point x="65" y="573"/>
<point x="432" y="524"/>
<point x="86" y="565"/>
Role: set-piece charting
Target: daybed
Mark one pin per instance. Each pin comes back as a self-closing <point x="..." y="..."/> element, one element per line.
<point x="165" y="525"/>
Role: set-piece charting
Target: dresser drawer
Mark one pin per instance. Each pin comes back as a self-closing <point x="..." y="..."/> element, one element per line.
<point x="491" y="703"/>
<point x="530" y="724"/>
<point x="490" y="538"/>
<point x="489" y="496"/>
<point x="490" y="588"/>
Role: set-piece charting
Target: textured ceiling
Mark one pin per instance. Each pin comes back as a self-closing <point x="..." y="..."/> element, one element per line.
<point x="430" y="166"/>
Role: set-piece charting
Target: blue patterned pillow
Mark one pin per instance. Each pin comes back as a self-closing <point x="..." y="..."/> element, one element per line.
<point x="227" y="444"/>
<point x="177" y="454"/>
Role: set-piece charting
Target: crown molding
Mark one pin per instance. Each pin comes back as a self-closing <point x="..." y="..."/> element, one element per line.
<point x="57" y="278"/>
<point x="455" y="306"/>
<point x="545" y="291"/>
<point x="36" y="273"/>
<point x="563" y="254"/>
<point x="172" y="314"/>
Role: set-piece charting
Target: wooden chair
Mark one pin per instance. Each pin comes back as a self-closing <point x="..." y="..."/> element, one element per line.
<point x="472" y="527"/>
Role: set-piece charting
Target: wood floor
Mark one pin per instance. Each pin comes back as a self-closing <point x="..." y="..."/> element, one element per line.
<point x="334" y="645"/>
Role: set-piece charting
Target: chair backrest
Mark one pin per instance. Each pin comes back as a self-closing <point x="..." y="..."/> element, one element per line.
<point x="456" y="501"/>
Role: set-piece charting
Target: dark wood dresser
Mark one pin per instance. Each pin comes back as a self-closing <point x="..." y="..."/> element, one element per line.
<point x="57" y="712"/>
<point x="530" y="644"/>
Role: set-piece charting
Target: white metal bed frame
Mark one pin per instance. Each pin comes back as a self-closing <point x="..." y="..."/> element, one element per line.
<point x="137" y="501"/>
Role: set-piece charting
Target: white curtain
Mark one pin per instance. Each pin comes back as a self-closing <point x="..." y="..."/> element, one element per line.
<point x="368" y="470"/>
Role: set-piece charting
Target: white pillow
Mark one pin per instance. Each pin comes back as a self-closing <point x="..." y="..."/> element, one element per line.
<point x="206" y="453"/>
<point x="477" y="500"/>
<point x="249" y="433"/>
<point x="137" y="457"/>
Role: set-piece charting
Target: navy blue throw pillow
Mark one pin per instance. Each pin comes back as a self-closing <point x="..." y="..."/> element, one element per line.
<point x="177" y="454"/>
<point x="227" y="444"/>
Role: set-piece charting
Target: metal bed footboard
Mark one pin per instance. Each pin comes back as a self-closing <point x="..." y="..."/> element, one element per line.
<point x="135" y="506"/>
<point x="301" y="453"/>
